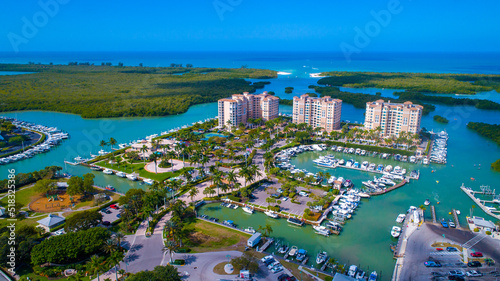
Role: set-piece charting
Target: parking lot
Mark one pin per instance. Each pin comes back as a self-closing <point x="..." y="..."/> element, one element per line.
<point x="264" y="191"/>
<point x="110" y="214"/>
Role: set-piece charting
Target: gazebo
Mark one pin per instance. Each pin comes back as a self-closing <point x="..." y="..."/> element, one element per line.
<point x="50" y="222"/>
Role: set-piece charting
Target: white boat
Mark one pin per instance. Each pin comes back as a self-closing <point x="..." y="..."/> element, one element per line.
<point x="271" y="214"/>
<point x="121" y="174"/>
<point x="248" y="209"/>
<point x="396" y="231"/>
<point x="250" y="230"/>
<point x="426" y="161"/>
<point x="108" y="171"/>
<point x="131" y="177"/>
<point x="321" y="257"/>
<point x="321" y="230"/>
<point x="401" y="218"/>
<point x="149" y="181"/>
<point x="427" y="202"/>
<point x="352" y="271"/>
<point x="293" y="251"/>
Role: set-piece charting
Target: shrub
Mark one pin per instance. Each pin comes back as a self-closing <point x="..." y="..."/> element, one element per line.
<point x="179" y="262"/>
<point x="234" y="198"/>
<point x="488" y="232"/>
<point x="476" y="229"/>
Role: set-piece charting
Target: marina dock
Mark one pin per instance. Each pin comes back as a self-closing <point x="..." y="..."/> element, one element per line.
<point x="369" y="171"/>
<point x="405" y="181"/>
<point x="455" y="218"/>
<point x="268" y="243"/>
<point x="433" y="213"/>
<point x="478" y="202"/>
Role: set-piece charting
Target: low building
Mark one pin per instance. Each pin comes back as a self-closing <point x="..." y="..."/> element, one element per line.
<point x="342" y="277"/>
<point x="51" y="222"/>
<point x="254" y="240"/>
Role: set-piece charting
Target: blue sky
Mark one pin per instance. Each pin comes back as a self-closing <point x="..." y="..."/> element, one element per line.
<point x="111" y="25"/>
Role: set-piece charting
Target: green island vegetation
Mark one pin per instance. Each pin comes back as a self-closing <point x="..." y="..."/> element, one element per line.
<point x="288" y="90"/>
<point x="496" y="165"/>
<point x="96" y="91"/>
<point x="286" y="102"/>
<point x="23" y="179"/>
<point x="360" y="100"/>
<point x="420" y="82"/>
<point x="490" y="131"/>
<point x="440" y="119"/>
<point x="477" y="103"/>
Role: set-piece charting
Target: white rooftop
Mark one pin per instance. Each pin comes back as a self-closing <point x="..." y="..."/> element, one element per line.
<point x="51" y="220"/>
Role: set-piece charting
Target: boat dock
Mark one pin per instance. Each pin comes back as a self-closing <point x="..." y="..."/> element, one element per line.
<point x="268" y="243"/>
<point x="365" y="170"/>
<point x="433" y="213"/>
<point x="72" y="163"/>
<point x="478" y="202"/>
<point x="305" y="260"/>
<point x="405" y="181"/>
<point x="455" y="218"/>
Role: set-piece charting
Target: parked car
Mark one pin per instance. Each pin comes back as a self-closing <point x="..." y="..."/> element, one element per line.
<point x="474" y="264"/>
<point x="303" y="193"/>
<point x="476" y="254"/>
<point x="456" y="273"/>
<point x="113" y="206"/>
<point x="264" y="259"/>
<point x="283" y="277"/>
<point x="451" y="249"/>
<point x="432" y="264"/>
<point x="473" y="273"/>
<point x="106" y="223"/>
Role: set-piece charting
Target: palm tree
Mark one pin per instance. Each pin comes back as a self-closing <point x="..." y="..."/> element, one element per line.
<point x="267" y="229"/>
<point x="109" y="246"/>
<point x="78" y="276"/>
<point x="171" y="155"/>
<point x="94" y="265"/>
<point x="154" y="157"/>
<point x="170" y="246"/>
<point x="112" y="142"/>
<point x="119" y="237"/>
<point x="114" y="260"/>
<point x="103" y="143"/>
<point x="193" y="192"/>
<point x="231" y="178"/>
<point x="144" y="149"/>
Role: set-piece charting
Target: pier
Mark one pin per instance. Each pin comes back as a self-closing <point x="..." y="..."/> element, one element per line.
<point x="455" y="218"/>
<point x="478" y="202"/>
<point x="433" y="213"/>
<point x="365" y="170"/>
<point x="405" y="181"/>
<point x="268" y="243"/>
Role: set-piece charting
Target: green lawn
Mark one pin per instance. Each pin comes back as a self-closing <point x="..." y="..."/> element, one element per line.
<point x="207" y="237"/>
<point x="24" y="196"/>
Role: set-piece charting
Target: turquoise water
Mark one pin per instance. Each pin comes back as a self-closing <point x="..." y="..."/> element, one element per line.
<point x="13" y="73"/>
<point x="209" y="135"/>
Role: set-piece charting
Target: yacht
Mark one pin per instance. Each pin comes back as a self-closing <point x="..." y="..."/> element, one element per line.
<point x="301" y="255"/>
<point x="95" y="168"/>
<point x="388" y="168"/>
<point x="347" y="183"/>
<point x="131" y="177"/>
<point x="108" y="171"/>
<point x="360" y="275"/>
<point x="121" y="174"/>
<point x="401" y="218"/>
<point x="427" y="202"/>
<point x="396" y="231"/>
<point x="380" y="167"/>
<point x="249" y="230"/>
<point x="426" y="161"/>
<point x="341" y="162"/>
<point x="364" y="165"/>
<point x="332" y="179"/>
<point x="293" y="251"/>
<point x="356" y="165"/>
<point x="248" y="209"/>
<point x="352" y="271"/>
<point x="271" y="214"/>
<point x="321" y="230"/>
<point x="363" y="152"/>
<point x="149" y="181"/>
<point x="295" y="221"/>
<point x="339" y="149"/>
<point x="321" y="257"/>
<point x="371" y="167"/>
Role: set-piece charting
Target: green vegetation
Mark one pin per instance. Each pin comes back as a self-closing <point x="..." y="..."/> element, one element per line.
<point x="359" y="100"/>
<point x="490" y="131"/>
<point x="71" y="247"/>
<point x="159" y="273"/>
<point x="288" y="90"/>
<point x="422" y="82"/>
<point x="247" y="261"/>
<point x="83" y="221"/>
<point x="139" y="168"/>
<point x="496" y="165"/>
<point x="286" y="102"/>
<point x="440" y="119"/>
<point x="28" y="178"/>
<point x="477" y="103"/>
<point x="207" y="237"/>
<point x="110" y="91"/>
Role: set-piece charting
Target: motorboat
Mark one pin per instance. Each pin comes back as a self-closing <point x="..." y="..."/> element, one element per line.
<point x="131" y="177"/>
<point x="352" y="271"/>
<point x="121" y="174"/>
<point x="427" y="202"/>
<point x="321" y="230"/>
<point x="249" y="230"/>
<point x="248" y="209"/>
<point x="426" y="161"/>
<point x="110" y="188"/>
<point x="295" y="221"/>
<point x="321" y="257"/>
<point x="373" y="276"/>
<point x="149" y="181"/>
<point x="95" y="168"/>
<point x="388" y="168"/>
<point x="396" y="231"/>
<point x="108" y="171"/>
<point x="293" y="251"/>
<point x="364" y="165"/>
<point x="271" y="214"/>
<point x="283" y="249"/>
<point x="401" y="218"/>
<point x="360" y="275"/>
<point x="332" y="179"/>
<point x="341" y="162"/>
<point x="301" y="255"/>
<point x="347" y="183"/>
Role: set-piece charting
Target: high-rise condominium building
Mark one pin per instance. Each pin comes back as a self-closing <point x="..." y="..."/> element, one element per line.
<point x="318" y="112"/>
<point x="240" y="107"/>
<point x="393" y="118"/>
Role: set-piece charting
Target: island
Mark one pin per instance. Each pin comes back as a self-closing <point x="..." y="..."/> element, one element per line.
<point x="440" y="119"/>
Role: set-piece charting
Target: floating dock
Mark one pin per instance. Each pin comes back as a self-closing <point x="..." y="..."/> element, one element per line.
<point x="478" y="202"/>
<point x="433" y="213"/>
<point x="365" y="170"/>
<point x="455" y="218"/>
<point x="266" y="245"/>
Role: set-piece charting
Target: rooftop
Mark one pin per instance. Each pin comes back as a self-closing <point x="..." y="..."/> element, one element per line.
<point x="51" y="220"/>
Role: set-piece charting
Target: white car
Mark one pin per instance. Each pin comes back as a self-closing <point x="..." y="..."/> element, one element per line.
<point x="264" y="259"/>
<point x="473" y="273"/>
<point x="59" y="232"/>
<point x="303" y="193"/>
